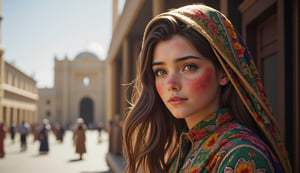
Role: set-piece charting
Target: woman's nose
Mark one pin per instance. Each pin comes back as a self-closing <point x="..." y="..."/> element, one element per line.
<point x="173" y="82"/>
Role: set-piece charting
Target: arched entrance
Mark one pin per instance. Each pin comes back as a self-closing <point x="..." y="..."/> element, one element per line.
<point x="87" y="110"/>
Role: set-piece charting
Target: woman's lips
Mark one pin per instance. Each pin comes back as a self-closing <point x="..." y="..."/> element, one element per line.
<point x="175" y="100"/>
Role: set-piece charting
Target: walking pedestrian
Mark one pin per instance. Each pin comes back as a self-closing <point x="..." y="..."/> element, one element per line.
<point x="60" y="132"/>
<point x="12" y="131"/>
<point x="99" y="128"/>
<point x="2" y="138"/>
<point x="24" y="130"/>
<point x="43" y="137"/>
<point x="79" y="138"/>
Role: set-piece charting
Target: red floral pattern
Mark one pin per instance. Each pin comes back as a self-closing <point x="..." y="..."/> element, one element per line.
<point x="222" y="144"/>
<point x="243" y="166"/>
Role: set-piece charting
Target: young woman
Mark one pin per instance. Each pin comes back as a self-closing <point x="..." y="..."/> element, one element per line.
<point x="200" y="105"/>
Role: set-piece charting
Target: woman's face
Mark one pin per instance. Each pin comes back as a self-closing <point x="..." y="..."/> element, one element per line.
<point x="185" y="80"/>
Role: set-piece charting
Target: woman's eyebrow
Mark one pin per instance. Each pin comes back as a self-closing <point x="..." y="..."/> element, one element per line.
<point x="157" y="63"/>
<point x="178" y="60"/>
<point x="187" y="57"/>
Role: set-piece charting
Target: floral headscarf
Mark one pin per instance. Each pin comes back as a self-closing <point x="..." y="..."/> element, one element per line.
<point x="236" y="61"/>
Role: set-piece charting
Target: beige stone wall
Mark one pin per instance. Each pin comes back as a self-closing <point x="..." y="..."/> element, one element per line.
<point x="46" y="104"/>
<point x="19" y="96"/>
<point x="70" y="89"/>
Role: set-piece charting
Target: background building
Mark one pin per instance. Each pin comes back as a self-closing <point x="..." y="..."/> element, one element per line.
<point x="18" y="101"/>
<point x="79" y="91"/>
<point x="18" y="92"/>
<point x="271" y="30"/>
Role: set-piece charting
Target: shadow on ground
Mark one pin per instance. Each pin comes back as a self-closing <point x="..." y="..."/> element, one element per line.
<point x="75" y="160"/>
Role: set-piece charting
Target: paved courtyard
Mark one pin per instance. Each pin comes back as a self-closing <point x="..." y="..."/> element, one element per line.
<point x="60" y="159"/>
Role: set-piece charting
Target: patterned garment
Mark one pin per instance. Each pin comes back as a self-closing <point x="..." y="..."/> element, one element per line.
<point x="237" y="62"/>
<point x="220" y="144"/>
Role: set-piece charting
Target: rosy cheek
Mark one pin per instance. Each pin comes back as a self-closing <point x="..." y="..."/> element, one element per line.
<point x="202" y="81"/>
<point x="159" y="88"/>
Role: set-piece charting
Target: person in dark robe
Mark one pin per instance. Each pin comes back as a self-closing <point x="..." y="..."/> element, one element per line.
<point x="43" y="137"/>
<point x="12" y="131"/>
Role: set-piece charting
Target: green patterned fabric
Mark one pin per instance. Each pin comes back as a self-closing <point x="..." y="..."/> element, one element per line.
<point x="238" y="64"/>
<point x="220" y="144"/>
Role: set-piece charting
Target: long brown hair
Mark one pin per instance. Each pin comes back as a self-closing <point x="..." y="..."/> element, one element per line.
<point x="150" y="131"/>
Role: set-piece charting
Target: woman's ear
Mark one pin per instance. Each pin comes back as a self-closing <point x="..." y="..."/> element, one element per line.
<point x="223" y="79"/>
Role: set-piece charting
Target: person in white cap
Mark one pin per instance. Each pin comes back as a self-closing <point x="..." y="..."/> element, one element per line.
<point x="79" y="138"/>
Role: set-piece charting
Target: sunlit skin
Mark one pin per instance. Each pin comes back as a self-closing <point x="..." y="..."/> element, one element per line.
<point x="186" y="81"/>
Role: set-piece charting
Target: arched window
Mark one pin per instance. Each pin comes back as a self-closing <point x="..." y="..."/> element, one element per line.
<point x="86" y="81"/>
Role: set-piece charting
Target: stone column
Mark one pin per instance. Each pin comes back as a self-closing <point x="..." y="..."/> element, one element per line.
<point x="2" y="114"/>
<point x="65" y="92"/>
<point x="158" y="7"/>
<point x="26" y="115"/>
<point x="113" y="102"/>
<point x="112" y="89"/>
<point x="12" y="116"/>
<point x="115" y="13"/>
<point x="7" y="116"/>
<point x="125" y="76"/>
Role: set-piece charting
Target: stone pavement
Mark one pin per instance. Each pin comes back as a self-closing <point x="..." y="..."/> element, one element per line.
<point x="61" y="157"/>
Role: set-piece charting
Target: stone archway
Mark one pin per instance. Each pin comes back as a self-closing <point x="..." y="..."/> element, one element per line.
<point x="87" y="110"/>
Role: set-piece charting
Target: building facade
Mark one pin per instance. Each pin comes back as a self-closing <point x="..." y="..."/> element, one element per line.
<point x="19" y="96"/>
<point x="18" y="92"/>
<point x="271" y="30"/>
<point x="79" y="91"/>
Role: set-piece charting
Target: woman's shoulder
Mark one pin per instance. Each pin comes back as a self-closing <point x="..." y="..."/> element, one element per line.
<point x="238" y="135"/>
<point x="246" y="158"/>
<point x="242" y="149"/>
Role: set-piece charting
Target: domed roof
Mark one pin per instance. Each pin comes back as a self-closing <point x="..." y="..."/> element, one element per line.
<point x="86" y="54"/>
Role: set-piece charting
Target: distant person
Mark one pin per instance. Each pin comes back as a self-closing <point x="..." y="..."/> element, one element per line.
<point x="60" y="133"/>
<point x="24" y="131"/>
<point x="35" y="131"/>
<point x="12" y="131"/>
<point x="100" y="128"/>
<point x="79" y="138"/>
<point x="43" y="137"/>
<point x="2" y="138"/>
<point x="55" y="130"/>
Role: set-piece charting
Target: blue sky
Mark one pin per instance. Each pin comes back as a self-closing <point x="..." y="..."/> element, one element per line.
<point x="35" y="31"/>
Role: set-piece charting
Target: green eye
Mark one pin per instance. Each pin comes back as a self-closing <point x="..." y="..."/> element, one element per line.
<point x="189" y="67"/>
<point x="160" y="73"/>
